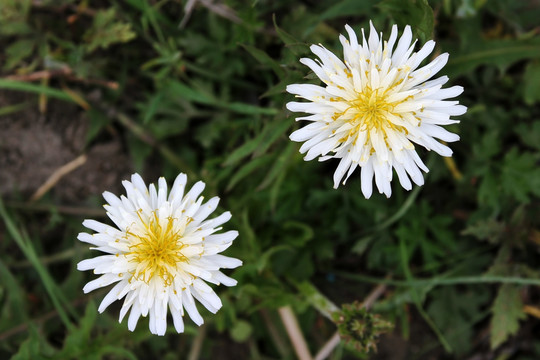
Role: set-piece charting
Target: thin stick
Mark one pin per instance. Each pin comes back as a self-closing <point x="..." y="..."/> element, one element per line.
<point x="373" y="296"/>
<point x="327" y="349"/>
<point x="294" y="332"/>
<point x="39" y="75"/>
<point x="196" y="347"/>
<point x="57" y="175"/>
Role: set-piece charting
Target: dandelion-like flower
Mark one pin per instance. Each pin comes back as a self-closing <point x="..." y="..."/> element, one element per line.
<point x="161" y="254"/>
<point x="375" y="106"/>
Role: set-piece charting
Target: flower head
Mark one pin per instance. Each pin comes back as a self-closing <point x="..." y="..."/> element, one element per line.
<point x="161" y="253"/>
<point x="376" y="105"/>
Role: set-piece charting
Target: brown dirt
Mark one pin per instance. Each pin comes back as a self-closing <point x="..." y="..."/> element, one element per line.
<point x="34" y="145"/>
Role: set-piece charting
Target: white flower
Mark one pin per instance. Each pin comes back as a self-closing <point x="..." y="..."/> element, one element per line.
<point x="161" y="254"/>
<point x="375" y="106"/>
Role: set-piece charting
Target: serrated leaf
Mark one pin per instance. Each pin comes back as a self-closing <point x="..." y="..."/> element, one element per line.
<point x="35" y="347"/>
<point x="17" y="51"/>
<point x="507" y="311"/>
<point x="456" y="312"/>
<point x="520" y="174"/>
<point x="490" y="230"/>
<point x="78" y="338"/>
<point x="529" y="134"/>
<point x="106" y="30"/>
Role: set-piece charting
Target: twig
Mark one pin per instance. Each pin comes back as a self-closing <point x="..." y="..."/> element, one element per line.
<point x="294" y="332"/>
<point x="57" y="175"/>
<point x="327" y="349"/>
<point x="196" y="347"/>
<point x="221" y="10"/>
<point x="65" y="72"/>
<point x="39" y="75"/>
<point x="217" y="8"/>
<point x="374" y="295"/>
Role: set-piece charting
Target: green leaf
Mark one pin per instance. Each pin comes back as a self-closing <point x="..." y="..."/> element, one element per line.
<point x="296" y="46"/>
<point x="500" y="53"/>
<point x="77" y="339"/>
<point x="106" y="30"/>
<point x="248" y="169"/>
<point x="241" y="331"/>
<point x="529" y="134"/>
<point x="520" y="175"/>
<point x="14" y="309"/>
<point x="18" y="51"/>
<point x="346" y="8"/>
<point x="531" y="91"/>
<point x="279" y="167"/>
<point x="35" y="347"/>
<point x="417" y="13"/>
<point x="456" y="312"/>
<point x="490" y="230"/>
<point x="265" y="59"/>
<point x="197" y="96"/>
<point x="507" y="311"/>
<point x="22" y="86"/>
<point x="244" y="150"/>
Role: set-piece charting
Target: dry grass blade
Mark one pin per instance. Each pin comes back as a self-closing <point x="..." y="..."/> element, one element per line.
<point x="57" y="175"/>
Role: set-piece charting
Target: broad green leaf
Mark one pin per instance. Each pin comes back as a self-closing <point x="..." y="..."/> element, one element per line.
<point x="507" y="311"/>
<point x="500" y="53"/>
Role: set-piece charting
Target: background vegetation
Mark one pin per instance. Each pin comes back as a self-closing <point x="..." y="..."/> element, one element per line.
<point x="161" y="87"/>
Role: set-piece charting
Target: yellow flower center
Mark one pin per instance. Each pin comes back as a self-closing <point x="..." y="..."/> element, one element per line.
<point x="157" y="251"/>
<point x="371" y="109"/>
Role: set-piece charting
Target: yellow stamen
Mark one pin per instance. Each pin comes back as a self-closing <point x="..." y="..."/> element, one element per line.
<point x="157" y="251"/>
